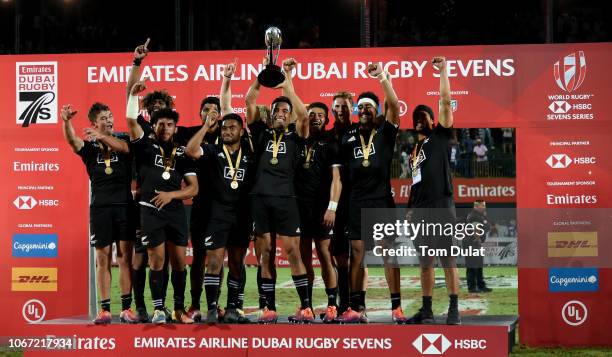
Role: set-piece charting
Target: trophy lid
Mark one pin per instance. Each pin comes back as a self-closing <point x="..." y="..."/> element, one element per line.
<point x="273" y="36"/>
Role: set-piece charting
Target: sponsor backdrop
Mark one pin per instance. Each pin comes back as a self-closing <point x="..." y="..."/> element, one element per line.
<point x="555" y="95"/>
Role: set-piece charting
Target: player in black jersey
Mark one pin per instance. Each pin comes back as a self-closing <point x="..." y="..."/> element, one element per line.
<point x="431" y="195"/>
<point x="162" y="166"/>
<point x="368" y="150"/>
<point x="109" y="166"/>
<point x="227" y="168"/>
<point x="318" y="187"/>
<point x="274" y="205"/>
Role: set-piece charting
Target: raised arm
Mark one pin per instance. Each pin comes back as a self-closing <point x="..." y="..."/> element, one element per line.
<point x="334" y="196"/>
<point x="112" y="142"/>
<point x="139" y="54"/>
<point x="299" y="113"/>
<point x="392" y="113"/>
<point x="75" y="142"/>
<point x="446" y="113"/>
<point x="252" y="114"/>
<point x="226" y="88"/>
<point x="132" y="110"/>
<point x="193" y="146"/>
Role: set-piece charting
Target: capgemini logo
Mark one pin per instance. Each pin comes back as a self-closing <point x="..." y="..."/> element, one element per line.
<point x="570" y="75"/>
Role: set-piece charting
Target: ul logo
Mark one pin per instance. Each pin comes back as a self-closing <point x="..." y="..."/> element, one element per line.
<point x="34" y="311"/>
<point x="574" y="313"/>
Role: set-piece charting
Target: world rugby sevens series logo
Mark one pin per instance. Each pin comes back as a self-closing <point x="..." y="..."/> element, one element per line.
<point x="570" y="75"/>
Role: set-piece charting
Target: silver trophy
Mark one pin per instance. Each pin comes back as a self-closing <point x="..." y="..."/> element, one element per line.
<point x="272" y="75"/>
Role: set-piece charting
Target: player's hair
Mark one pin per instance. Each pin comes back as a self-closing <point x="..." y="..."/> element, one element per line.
<point x="282" y="99"/>
<point x="344" y="95"/>
<point x="422" y="108"/>
<point x="211" y="100"/>
<point x="370" y="95"/>
<point x="165" y="113"/>
<point x="151" y="97"/>
<point x="233" y="116"/>
<point x="95" y="109"/>
<point x="321" y="106"/>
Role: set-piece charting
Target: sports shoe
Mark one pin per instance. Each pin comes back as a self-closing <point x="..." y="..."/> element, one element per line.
<point x="159" y="317"/>
<point x="351" y="316"/>
<point x="267" y="316"/>
<point x="220" y="313"/>
<point x="453" y="317"/>
<point x="235" y="316"/>
<point x="168" y="314"/>
<point x="398" y="317"/>
<point x="142" y="315"/>
<point x="330" y="315"/>
<point x="302" y="316"/>
<point x="212" y="317"/>
<point x="422" y="317"/>
<point x="194" y="314"/>
<point x="104" y="317"/>
<point x="485" y="289"/>
<point x="127" y="316"/>
<point x="181" y="317"/>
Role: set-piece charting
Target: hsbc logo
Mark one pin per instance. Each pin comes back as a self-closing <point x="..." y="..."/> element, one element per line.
<point x="570" y="72"/>
<point x="438" y="344"/>
<point x="561" y="161"/>
<point x="29" y="202"/>
<point x="559" y="107"/>
<point x="431" y="344"/>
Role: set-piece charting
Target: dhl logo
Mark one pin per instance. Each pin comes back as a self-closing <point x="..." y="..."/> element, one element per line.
<point x="34" y="279"/>
<point x="572" y="244"/>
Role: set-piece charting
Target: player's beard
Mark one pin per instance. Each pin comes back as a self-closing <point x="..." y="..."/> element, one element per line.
<point x="422" y="127"/>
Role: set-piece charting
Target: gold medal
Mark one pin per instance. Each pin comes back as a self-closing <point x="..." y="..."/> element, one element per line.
<point x="234" y="185"/>
<point x="366" y="149"/>
<point x="306" y="165"/>
<point x="233" y="169"/>
<point x="275" y="147"/>
<point x="274" y="161"/>
<point x="168" y="161"/>
<point x="365" y="163"/>
<point x="166" y="175"/>
<point x="108" y="170"/>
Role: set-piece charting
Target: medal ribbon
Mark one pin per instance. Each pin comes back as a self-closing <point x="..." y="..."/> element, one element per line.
<point x="168" y="163"/>
<point x="366" y="150"/>
<point x="276" y="143"/>
<point x="234" y="170"/>
<point x="106" y="151"/>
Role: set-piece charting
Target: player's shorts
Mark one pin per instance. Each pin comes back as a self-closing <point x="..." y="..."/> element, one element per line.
<point x="159" y="226"/>
<point x="339" y="242"/>
<point x="229" y="226"/>
<point x="110" y="224"/>
<point x="440" y="211"/>
<point x="198" y="221"/>
<point x="311" y="219"/>
<point x="275" y="214"/>
<point x="355" y="213"/>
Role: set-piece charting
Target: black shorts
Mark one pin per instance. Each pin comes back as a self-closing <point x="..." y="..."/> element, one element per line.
<point x="138" y="247"/>
<point x="311" y="219"/>
<point x="228" y="226"/>
<point x="110" y="224"/>
<point x="159" y="226"/>
<point x="354" y="224"/>
<point x="339" y="241"/>
<point x="440" y="211"/>
<point x="272" y="214"/>
<point x="198" y="221"/>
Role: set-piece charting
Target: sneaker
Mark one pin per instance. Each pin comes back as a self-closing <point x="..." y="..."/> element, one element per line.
<point x="128" y="317"/>
<point x="220" y="313"/>
<point x="194" y="314"/>
<point x="212" y="317"/>
<point x="235" y="316"/>
<point x="159" y="317"/>
<point x="398" y="316"/>
<point x="181" y="317"/>
<point x="302" y="316"/>
<point x="267" y="316"/>
<point x="485" y="289"/>
<point x="330" y="315"/>
<point x="364" y="317"/>
<point x="422" y="317"/>
<point x="168" y="314"/>
<point x="474" y="291"/>
<point x="351" y="316"/>
<point x="453" y="317"/>
<point x="104" y="317"/>
<point x="142" y="315"/>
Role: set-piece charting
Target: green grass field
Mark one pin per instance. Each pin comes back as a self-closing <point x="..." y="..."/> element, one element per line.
<point x="502" y="301"/>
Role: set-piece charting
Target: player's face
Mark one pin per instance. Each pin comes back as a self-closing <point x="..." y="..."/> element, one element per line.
<point x="156" y="105"/>
<point x="423" y="124"/>
<point x="104" y="122"/>
<point x="481" y="207"/>
<point x="164" y="129"/>
<point x="367" y="112"/>
<point x="281" y="114"/>
<point x="342" y="109"/>
<point x="316" y="118"/>
<point x="209" y="111"/>
<point x="230" y="132"/>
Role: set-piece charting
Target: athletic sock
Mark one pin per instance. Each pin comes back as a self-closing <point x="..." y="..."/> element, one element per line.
<point x="179" y="281"/>
<point x="211" y="287"/>
<point x="301" y="285"/>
